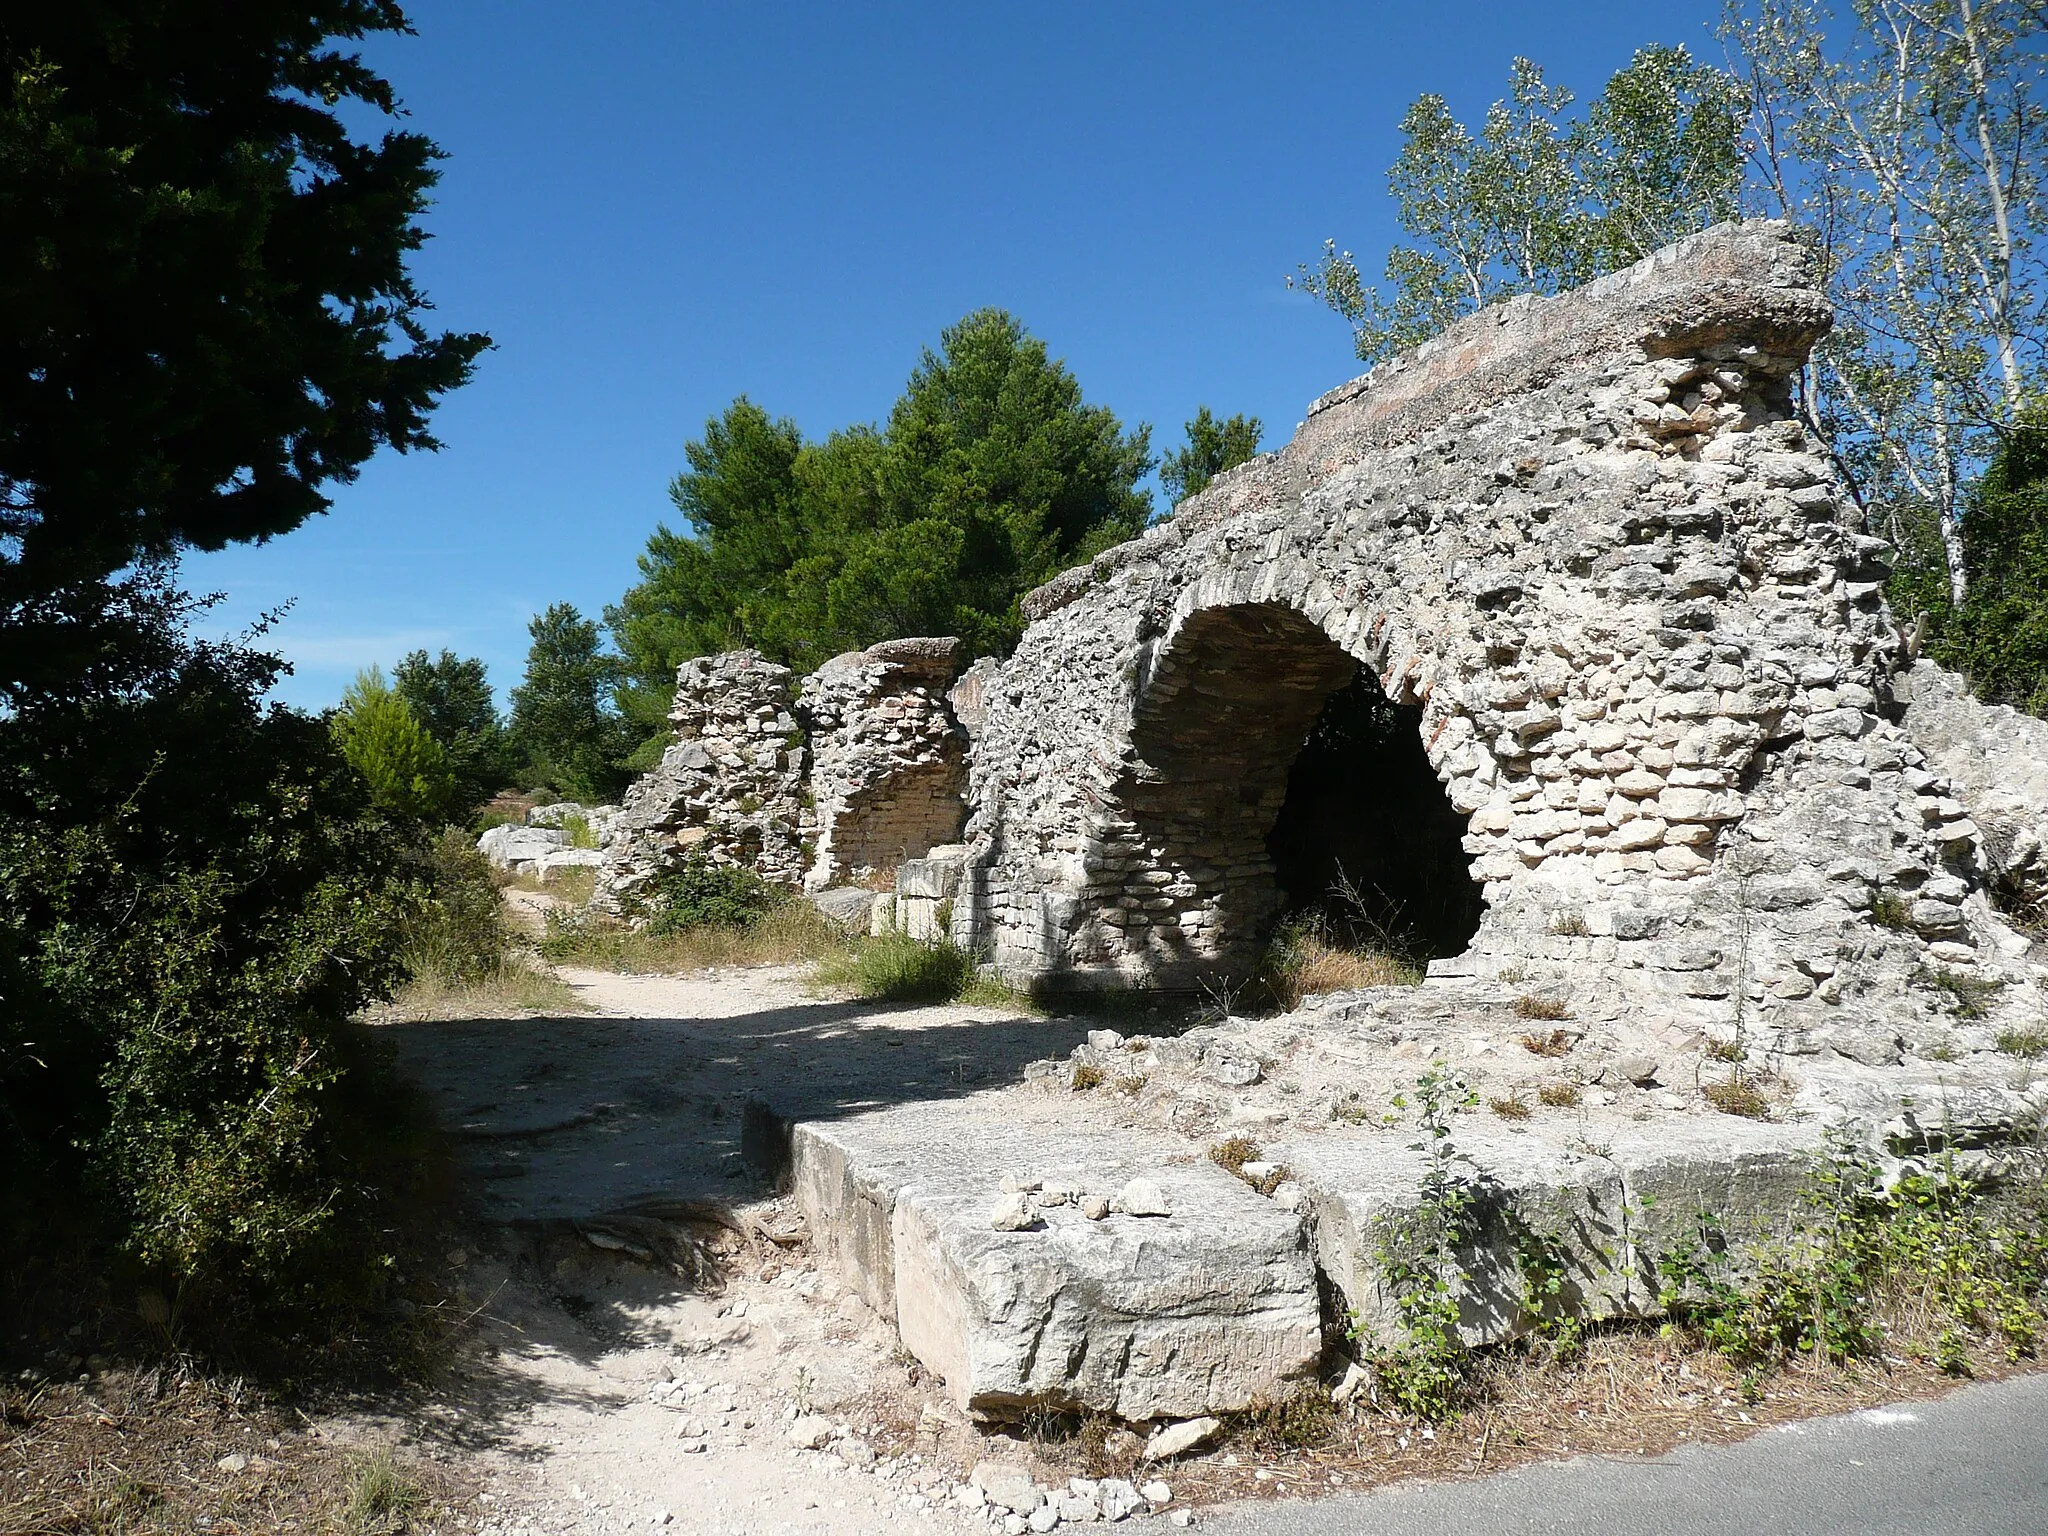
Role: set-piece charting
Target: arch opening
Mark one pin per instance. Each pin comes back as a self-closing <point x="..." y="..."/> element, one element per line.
<point x="1269" y="773"/>
<point x="1366" y="840"/>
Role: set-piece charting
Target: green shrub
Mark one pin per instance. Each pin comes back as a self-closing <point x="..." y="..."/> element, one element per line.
<point x="195" y="896"/>
<point x="456" y="934"/>
<point x="700" y="894"/>
<point x="895" y="968"/>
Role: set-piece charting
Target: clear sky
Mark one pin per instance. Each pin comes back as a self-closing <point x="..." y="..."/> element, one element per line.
<point x="655" y="207"/>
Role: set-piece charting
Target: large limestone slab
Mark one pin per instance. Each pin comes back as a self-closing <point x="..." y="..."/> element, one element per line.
<point x="1605" y="1213"/>
<point x="1205" y="1309"/>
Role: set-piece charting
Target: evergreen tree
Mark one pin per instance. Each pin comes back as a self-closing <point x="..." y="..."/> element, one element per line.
<point x="562" y="724"/>
<point x="384" y="741"/>
<point x="1212" y="447"/>
<point x="991" y="475"/>
<point x="451" y="697"/>
<point x="205" y="315"/>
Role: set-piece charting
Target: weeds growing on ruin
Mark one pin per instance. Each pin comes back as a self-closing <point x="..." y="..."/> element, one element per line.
<point x="1547" y="1009"/>
<point x="1888" y="909"/>
<point x="1086" y="1076"/>
<point x="1512" y="1107"/>
<point x="1969" y="996"/>
<point x="1737" y="1094"/>
<point x="1558" y="1095"/>
<point x="1424" y="1372"/>
<point x="895" y="968"/>
<point x="1939" y="1255"/>
<point x="2027" y="1044"/>
<point x="1556" y="1042"/>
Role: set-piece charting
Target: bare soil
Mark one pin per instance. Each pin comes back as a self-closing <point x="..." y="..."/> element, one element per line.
<point x="619" y="1235"/>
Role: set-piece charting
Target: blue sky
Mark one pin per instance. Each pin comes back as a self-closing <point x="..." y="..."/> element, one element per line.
<point x="655" y="207"/>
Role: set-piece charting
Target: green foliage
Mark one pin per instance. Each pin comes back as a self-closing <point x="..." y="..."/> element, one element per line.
<point x="1212" y="447"/>
<point x="205" y="313"/>
<point x="1906" y="139"/>
<point x="991" y="475"/>
<point x="451" y="697"/>
<point x="195" y="895"/>
<point x="700" y="894"/>
<point x="895" y="968"/>
<point x="383" y="741"/>
<point x="456" y="934"/>
<point x="383" y="1497"/>
<point x="1998" y="637"/>
<point x="1425" y="1373"/>
<point x="1537" y="202"/>
<point x="562" y="721"/>
<point x="1934" y="1239"/>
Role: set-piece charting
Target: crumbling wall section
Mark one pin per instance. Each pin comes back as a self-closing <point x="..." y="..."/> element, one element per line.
<point x="889" y="761"/>
<point x="729" y="789"/>
<point x="1645" y="630"/>
<point x="1992" y="762"/>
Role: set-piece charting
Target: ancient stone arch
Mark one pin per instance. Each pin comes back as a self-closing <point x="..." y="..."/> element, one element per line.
<point x="1589" y="542"/>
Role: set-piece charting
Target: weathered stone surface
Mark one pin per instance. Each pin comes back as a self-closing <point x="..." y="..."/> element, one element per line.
<point x="1146" y="1318"/>
<point x="889" y="770"/>
<point x="1638" y="624"/>
<point x="846" y="905"/>
<point x="1992" y="768"/>
<point x="519" y="849"/>
<point x="1607" y="1217"/>
<point x="729" y="790"/>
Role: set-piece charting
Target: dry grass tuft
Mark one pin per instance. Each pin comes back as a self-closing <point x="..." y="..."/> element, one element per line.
<point x="1556" y="1043"/>
<point x="515" y="988"/>
<point x="1513" y="1107"/>
<point x="1737" y="1096"/>
<point x="1087" y="1075"/>
<point x="1233" y="1154"/>
<point x="1548" y="1009"/>
<point x="1306" y="959"/>
<point x="1559" y="1095"/>
<point x="793" y="932"/>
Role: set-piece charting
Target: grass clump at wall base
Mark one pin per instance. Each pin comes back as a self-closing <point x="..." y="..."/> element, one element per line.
<point x="895" y="968"/>
<point x="794" y="931"/>
<point x="459" y="955"/>
<point x="1306" y="958"/>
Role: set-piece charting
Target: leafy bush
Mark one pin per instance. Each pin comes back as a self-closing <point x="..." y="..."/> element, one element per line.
<point x="700" y="894"/>
<point x="456" y="936"/>
<point x="1937" y="1243"/>
<point x="195" y="895"/>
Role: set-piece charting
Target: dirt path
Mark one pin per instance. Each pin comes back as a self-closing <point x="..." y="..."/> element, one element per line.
<point x="657" y="1097"/>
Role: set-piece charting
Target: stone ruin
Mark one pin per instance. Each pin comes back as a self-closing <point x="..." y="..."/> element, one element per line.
<point x="1557" y="645"/>
<point x="830" y="782"/>
<point x="1629" y="622"/>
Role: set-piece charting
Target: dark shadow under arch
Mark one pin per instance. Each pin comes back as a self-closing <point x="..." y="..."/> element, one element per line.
<point x="1257" y="771"/>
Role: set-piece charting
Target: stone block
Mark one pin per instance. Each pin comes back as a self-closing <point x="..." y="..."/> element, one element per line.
<point x="1200" y="1311"/>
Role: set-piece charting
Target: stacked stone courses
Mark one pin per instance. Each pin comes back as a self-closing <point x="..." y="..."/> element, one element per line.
<point x="1588" y="537"/>
<point x="729" y="789"/>
<point x="889" y="761"/>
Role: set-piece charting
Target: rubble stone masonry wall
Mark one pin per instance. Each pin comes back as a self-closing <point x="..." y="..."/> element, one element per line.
<point x="1588" y="537"/>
